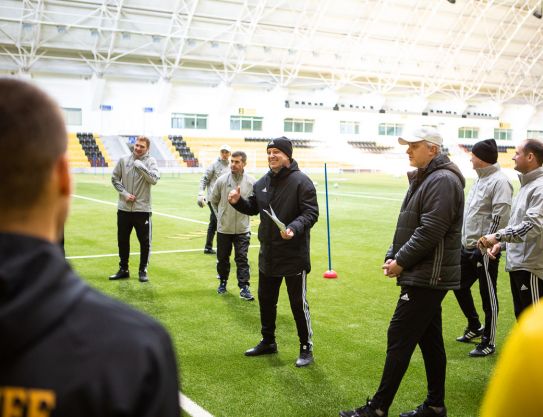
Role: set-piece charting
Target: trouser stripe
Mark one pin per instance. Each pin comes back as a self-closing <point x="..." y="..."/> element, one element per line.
<point x="493" y="301"/>
<point x="306" y="309"/>
<point x="534" y="284"/>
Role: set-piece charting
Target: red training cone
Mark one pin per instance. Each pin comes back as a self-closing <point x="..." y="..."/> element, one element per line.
<point x="330" y="274"/>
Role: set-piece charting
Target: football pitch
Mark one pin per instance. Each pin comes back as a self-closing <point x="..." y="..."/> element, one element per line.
<point x="350" y="315"/>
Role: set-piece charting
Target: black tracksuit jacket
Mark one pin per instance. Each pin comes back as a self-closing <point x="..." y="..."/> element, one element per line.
<point x="70" y="351"/>
<point x="293" y="198"/>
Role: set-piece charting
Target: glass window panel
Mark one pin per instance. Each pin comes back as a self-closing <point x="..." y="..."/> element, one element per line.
<point x="246" y="124"/>
<point x="235" y="123"/>
<point x="288" y="125"/>
<point x="257" y="124"/>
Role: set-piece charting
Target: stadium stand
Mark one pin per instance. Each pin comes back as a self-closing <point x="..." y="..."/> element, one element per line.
<point x="180" y="147"/>
<point x="91" y="149"/>
<point x="372" y="147"/>
<point x="76" y="155"/>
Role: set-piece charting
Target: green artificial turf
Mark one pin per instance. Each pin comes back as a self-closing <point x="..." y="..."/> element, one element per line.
<point x="350" y="315"/>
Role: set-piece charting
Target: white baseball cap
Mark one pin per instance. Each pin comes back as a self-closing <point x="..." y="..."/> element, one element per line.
<point x="424" y="133"/>
<point x="226" y="147"/>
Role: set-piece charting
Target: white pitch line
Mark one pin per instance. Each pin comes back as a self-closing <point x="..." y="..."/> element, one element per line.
<point x="109" y="255"/>
<point x="191" y="407"/>
<point x="371" y="197"/>
<point x="157" y="213"/>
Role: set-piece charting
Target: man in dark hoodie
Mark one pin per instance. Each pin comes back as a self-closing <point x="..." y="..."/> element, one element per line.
<point x="66" y="350"/>
<point x="425" y="260"/>
<point x="289" y="194"/>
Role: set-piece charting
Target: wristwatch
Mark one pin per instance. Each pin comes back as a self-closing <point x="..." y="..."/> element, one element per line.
<point x="498" y="236"/>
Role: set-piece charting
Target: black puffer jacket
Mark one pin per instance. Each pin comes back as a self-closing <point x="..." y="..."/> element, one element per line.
<point x="293" y="198"/>
<point x="427" y="238"/>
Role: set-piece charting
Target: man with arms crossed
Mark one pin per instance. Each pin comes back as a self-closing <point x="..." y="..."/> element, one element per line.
<point x="132" y="177"/>
<point x="425" y="260"/>
<point x="523" y="235"/>
<point x="487" y="209"/>
<point x="233" y="227"/>
<point x="293" y="198"/>
<point x="66" y="350"/>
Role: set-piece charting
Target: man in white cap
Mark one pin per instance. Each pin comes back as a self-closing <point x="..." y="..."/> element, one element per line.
<point x="425" y="260"/>
<point x="213" y="171"/>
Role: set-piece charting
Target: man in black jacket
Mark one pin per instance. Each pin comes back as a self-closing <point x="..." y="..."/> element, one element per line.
<point x="425" y="260"/>
<point x="289" y="194"/>
<point x="66" y="350"/>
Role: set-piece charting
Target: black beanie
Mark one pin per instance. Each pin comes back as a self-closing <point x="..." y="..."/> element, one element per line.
<point x="486" y="150"/>
<point x="283" y="144"/>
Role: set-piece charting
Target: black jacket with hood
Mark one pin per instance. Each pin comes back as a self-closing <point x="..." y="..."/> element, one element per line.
<point x="427" y="240"/>
<point x="72" y="351"/>
<point x="293" y="198"/>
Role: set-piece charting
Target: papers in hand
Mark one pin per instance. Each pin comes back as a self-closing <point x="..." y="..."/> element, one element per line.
<point x="278" y="222"/>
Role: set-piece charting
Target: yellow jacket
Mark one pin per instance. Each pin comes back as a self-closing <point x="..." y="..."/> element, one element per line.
<point x="516" y="387"/>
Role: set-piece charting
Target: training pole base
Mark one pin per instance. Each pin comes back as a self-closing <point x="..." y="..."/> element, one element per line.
<point x="330" y="274"/>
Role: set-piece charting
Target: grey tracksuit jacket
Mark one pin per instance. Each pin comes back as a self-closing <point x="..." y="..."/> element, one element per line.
<point x="524" y="232"/>
<point x="135" y="176"/>
<point x="229" y="220"/>
<point x="213" y="172"/>
<point x="488" y="206"/>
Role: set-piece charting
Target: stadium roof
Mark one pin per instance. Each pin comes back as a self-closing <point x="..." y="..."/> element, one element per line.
<point x="468" y="50"/>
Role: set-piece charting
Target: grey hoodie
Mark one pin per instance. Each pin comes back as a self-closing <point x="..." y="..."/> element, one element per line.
<point x="524" y="233"/>
<point x="488" y="205"/>
<point x="229" y="220"/>
<point x="135" y="176"/>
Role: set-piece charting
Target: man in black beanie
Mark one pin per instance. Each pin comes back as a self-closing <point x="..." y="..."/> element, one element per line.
<point x="487" y="209"/>
<point x="284" y="251"/>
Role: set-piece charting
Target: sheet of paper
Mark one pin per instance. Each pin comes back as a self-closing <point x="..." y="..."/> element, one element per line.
<point x="278" y="222"/>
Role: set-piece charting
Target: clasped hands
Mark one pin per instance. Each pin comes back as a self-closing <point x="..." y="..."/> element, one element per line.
<point x="489" y="244"/>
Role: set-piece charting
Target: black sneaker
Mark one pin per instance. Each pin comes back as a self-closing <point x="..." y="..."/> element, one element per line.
<point x="470" y="334"/>
<point x="424" y="410"/>
<point x="364" y="411"/>
<point x="483" y="349"/>
<point x="209" y="251"/>
<point x="306" y="356"/>
<point x="121" y="274"/>
<point x="222" y="287"/>
<point x="262" y="349"/>
<point x="143" y="276"/>
<point x="245" y="293"/>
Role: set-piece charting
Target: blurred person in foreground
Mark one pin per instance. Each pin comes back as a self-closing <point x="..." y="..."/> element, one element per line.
<point x="424" y="258"/>
<point x="66" y="349"/>
<point x="212" y="173"/>
<point x="516" y="385"/>
<point x="289" y="194"/>
<point x="133" y="177"/>
<point x="487" y="209"/>
<point x="233" y="227"/>
<point x="523" y="236"/>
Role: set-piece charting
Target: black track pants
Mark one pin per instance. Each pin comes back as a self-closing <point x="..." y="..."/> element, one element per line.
<point x="526" y="288"/>
<point x="476" y="267"/>
<point x="141" y="221"/>
<point x="416" y="321"/>
<point x="268" y="294"/>
<point x="211" y="228"/>
<point x="240" y="242"/>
